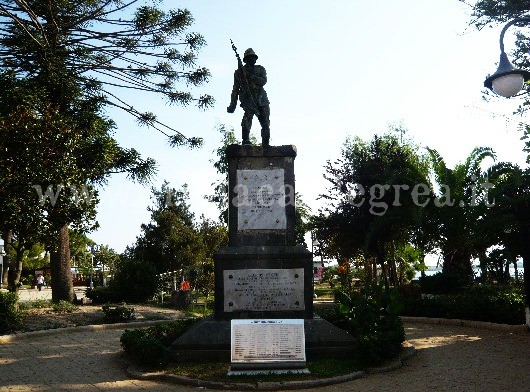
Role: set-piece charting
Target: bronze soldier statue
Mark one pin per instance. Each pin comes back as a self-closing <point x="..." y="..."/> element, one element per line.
<point x="249" y="80"/>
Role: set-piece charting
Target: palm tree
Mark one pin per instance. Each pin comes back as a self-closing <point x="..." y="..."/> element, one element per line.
<point x="511" y="215"/>
<point x="462" y="208"/>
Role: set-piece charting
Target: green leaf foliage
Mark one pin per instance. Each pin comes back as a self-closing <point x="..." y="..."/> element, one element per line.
<point x="149" y="346"/>
<point x="491" y="303"/>
<point x="9" y="315"/>
<point x="174" y="241"/>
<point x="118" y="313"/>
<point x="134" y="281"/>
<point x="463" y="200"/>
<point x="61" y="64"/>
<point x="371" y="208"/>
<point x="100" y="48"/>
<point x="371" y="316"/>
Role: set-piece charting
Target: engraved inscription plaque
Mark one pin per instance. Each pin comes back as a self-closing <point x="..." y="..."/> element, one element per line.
<point x="260" y="200"/>
<point x="259" y="341"/>
<point x="263" y="290"/>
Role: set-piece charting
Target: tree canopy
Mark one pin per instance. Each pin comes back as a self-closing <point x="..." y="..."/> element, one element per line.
<point x="463" y="231"/>
<point x="174" y="241"/>
<point x="100" y="48"/>
<point x="62" y="63"/>
<point x="373" y="199"/>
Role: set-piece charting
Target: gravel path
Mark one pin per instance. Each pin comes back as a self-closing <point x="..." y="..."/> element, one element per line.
<point x="449" y="359"/>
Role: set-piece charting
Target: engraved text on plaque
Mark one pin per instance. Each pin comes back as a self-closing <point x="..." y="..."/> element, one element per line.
<point x="258" y="341"/>
<point x="263" y="290"/>
<point x="260" y="199"/>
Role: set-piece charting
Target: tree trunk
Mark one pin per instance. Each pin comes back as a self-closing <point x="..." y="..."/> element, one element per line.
<point x="394" y="279"/>
<point x="422" y="272"/>
<point x="15" y="271"/>
<point x="458" y="263"/>
<point x="506" y="275"/>
<point x="384" y="269"/>
<point x="5" y="266"/>
<point x="8" y="239"/>
<point x="483" y="260"/>
<point x="368" y="271"/>
<point x="526" y="277"/>
<point x="62" y="284"/>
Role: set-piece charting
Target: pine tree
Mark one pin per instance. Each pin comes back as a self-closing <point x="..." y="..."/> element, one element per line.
<point x="67" y="61"/>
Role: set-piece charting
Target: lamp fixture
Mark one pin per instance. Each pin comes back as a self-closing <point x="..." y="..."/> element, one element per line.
<point x="507" y="80"/>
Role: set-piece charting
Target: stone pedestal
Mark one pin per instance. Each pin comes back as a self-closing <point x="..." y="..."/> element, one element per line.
<point x="209" y="341"/>
<point x="254" y="282"/>
<point x="261" y="195"/>
<point x="261" y="274"/>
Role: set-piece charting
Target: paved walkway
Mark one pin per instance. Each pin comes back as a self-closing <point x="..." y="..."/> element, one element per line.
<point x="449" y="359"/>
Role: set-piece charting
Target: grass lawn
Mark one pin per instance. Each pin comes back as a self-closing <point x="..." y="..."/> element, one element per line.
<point x="323" y="291"/>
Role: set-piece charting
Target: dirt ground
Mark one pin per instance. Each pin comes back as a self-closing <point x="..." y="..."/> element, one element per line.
<point x="47" y="318"/>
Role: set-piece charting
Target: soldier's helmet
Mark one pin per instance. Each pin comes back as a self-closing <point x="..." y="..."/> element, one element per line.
<point x="249" y="53"/>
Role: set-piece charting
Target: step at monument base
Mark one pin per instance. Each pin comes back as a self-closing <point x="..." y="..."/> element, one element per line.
<point x="209" y="340"/>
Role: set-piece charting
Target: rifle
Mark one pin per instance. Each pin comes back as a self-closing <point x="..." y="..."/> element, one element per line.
<point x="254" y="106"/>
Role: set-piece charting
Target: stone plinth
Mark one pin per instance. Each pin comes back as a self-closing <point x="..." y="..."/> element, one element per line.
<point x="261" y="195"/>
<point x="209" y="340"/>
<point x="263" y="282"/>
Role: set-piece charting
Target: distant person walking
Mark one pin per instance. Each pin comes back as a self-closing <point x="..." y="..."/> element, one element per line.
<point x="40" y="281"/>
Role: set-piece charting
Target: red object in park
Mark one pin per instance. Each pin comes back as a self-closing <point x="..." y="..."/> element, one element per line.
<point x="185" y="285"/>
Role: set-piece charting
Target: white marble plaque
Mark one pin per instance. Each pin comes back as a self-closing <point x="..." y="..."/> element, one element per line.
<point x="260" y="199"/>
<point x="266" y="341"/>
<point x="263" y="290"/>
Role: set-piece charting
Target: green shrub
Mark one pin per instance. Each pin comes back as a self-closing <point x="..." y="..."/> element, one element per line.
<point x="118" y="313"/>
<point x="36" y="304"/>
<point x="100" y="295"/>
<point x="149" y="346"/>
<point x="443" y="283"/>
<point x="134" y="281"/>
<point x="27" y="280"/>
<point x="371" y="316"/>
<point x="494" y="303"/>
<point x="427" y="307"/>
<point x="9" y="315"/>
<point x="181" y="299"/>
<point x="381" y="343"/>
<point x="168" y="332"/>
<point x="144" y="348"/>
<point x="64" y="307"/>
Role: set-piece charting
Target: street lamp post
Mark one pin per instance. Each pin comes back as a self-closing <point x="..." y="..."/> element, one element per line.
<point x="93" y="248"/>
<point x="508" y="81"/>
<point x="2" y="254"/>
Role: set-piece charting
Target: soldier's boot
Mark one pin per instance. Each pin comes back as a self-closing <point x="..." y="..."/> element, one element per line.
<point x="265" y="136"/>
<point x="246" y="136"/>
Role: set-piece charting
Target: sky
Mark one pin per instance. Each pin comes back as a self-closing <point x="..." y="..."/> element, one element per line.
<point x="335" y="69"/>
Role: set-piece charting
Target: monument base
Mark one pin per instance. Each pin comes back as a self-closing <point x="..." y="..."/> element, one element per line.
<point x="209" y="341"/>
<point x="236" y="371"/>
<point x="260" y="282"/>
